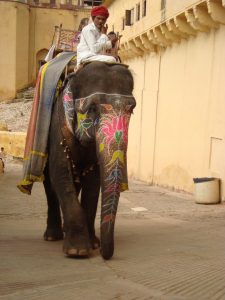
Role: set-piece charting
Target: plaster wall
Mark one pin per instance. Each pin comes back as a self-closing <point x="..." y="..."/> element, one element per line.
<point x="156" y="12"/>
<point x="7" y="50"/>
<point x="42" y="26"/>
<point x="22" y="46"/>
<point x="26" y="35"/>
<point x="13" y="142"/>
<point x="178" y="129"/>
<point x="173" y="7"/>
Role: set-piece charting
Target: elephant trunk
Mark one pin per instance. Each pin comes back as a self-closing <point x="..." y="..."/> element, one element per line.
<point x="106" y="117"/>
<point x="112" y="136"/>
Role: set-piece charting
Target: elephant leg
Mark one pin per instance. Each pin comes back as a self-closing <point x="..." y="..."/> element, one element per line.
<point x="108" y="216"/>
<point x="89" y="202"/>
<point x="76" y="241"/>
<point x="54" y="230"/>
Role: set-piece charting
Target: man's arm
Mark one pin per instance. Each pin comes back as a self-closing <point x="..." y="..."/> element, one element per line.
<point x="96" y="46"/>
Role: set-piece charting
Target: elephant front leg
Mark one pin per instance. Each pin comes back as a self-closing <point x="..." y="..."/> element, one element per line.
<point x="108" y="215"/>
<point x="89" y="202"/>
<point x="76" y="241"/>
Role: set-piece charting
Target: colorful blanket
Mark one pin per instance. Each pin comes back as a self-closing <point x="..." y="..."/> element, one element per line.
<point x="35" y="155"/>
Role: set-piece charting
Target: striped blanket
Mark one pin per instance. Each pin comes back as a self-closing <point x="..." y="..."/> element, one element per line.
<point x="35" y="155"/>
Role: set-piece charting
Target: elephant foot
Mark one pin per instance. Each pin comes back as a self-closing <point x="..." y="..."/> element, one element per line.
<point x="76" y="253"/>
<point x="107" y="240"/>
<point x="53" y="235"/>
<point x="76" y="248"/>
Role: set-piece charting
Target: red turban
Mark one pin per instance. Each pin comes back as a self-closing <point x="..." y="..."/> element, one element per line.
<point x="100" y="11"/>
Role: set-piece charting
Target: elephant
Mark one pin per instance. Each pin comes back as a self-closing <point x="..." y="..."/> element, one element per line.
<point x="87" y="154"/>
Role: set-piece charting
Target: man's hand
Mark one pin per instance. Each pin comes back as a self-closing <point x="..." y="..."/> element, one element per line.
<point x="113" y="39"/>
<point x="104" y="29"/>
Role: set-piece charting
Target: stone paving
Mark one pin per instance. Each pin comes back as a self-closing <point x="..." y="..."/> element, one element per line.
<point x="166" y="247"/>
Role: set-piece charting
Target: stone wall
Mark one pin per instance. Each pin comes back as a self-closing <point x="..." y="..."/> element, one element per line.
<point x="13" y="142"/>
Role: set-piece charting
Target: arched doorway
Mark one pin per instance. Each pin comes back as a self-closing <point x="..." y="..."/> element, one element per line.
<point x="40" y="58"/>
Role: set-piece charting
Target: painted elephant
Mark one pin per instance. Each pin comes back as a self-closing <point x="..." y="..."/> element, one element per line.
<point x="87" y="152"/>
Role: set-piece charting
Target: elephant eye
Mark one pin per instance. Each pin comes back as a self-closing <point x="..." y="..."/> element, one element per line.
<point x="93" y="110"/>
<point x="106" y="108"/>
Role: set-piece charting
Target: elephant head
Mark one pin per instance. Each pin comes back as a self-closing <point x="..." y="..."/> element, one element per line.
<point x="103" y="102"/>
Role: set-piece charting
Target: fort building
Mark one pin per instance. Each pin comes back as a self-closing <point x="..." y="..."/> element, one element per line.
<point x="27" y="30"/>
<point x="175" y="50"/>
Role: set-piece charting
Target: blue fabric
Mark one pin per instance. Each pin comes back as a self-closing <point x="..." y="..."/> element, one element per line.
<point x="34" y="164"/>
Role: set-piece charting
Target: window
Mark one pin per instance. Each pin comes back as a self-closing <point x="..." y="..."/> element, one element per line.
<point x="127" y="18"/>
<point x="92" y="2"/>
<point x="144" y="8"/>
<point x="138" y="9"/>
<point x="163" y="4"/>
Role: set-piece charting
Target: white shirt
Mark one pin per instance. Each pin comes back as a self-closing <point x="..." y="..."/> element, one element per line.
<point x="92" y="42"/>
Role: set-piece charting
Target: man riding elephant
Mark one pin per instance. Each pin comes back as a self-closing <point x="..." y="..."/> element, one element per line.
<point x="77" y="143"/>
<point x="94" y="40"/>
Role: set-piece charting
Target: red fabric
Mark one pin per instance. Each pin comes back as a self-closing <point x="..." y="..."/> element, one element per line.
<point x="33" y="117"/>
<point x="100" y="11"/>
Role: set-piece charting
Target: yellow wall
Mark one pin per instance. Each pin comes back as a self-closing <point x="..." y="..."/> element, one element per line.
<point x="26" y="33"/>
<point x="42" y="26"/>
<point x="22" y="46"/>
<point x="13" y="142"/>
<point x="177" y="131"/>
<point x="7" y="49"/>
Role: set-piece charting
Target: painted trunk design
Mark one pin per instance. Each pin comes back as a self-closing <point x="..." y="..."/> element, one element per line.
<point x="112" y="139"/>
<point x="110" y="121"/>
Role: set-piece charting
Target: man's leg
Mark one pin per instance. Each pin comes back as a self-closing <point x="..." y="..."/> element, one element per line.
<point x="100" y="57"/>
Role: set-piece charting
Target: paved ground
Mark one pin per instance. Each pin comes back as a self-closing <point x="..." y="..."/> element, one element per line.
<point x="174" y="249"/>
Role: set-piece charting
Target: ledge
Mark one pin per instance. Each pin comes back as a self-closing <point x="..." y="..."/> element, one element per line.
<point x="203" y="17"/>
